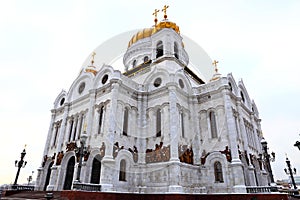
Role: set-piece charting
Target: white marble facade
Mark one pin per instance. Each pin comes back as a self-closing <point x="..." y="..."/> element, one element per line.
<point x="156" y="128"/>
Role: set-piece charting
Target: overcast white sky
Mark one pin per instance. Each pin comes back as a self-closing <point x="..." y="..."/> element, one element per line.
<point x="44" y="43"/>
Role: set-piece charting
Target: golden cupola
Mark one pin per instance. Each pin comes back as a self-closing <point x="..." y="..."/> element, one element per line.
<point x="147" y="32"/>
<point x="150" y="44"/>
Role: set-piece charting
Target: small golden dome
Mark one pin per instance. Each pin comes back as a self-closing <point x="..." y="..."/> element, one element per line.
<point x="147" y="32"/>
<point x="91" y="69"/>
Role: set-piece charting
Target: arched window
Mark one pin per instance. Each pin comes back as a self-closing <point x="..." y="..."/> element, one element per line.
<point x="182" y="124"/>
<point x="134" y="63"/>
<point x="125" y="122"/>
<point x="176" y="50"/>
<point x="213" y="124"/>
<point x="243" y="97"/>
<point x="75" y="129"/>
<point x="230" y="86"/>
<point x="158" y="123"/>
<point x="57" y="126"/>
<point x="122" y="173"/>
<point x="71" y="129"/>
<point x="218" y="172"/>
<point x="100" y="119"/>
<point x="159" y="49"/>
<point x="146" y="58"/>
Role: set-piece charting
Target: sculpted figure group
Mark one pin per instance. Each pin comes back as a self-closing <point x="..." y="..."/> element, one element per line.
<point x="159" y="154"/>
<point x="186" y="155"/>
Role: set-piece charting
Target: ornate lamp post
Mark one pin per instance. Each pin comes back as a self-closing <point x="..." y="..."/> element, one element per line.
<point x="81" y="151"/>
<point x="267" y="158"/>
<point x="297" y="144"/>
<point x="29" y="179"/>
<point x="20" y="164"/>
<point x="289" y="171"/>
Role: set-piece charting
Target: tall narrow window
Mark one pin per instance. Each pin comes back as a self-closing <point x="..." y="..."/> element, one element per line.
<point x="213" y="124"/>
<point x="134" y="63"/>
<point x="71" y="128"/>
<point x="80" y="127"/>
<point x="55" y="134"/>
<point x="75" y="129"/>
<point x="159" y="49"/>
<point x="158" y="123"/>
<point x="122" y="173"/>
<point x="100" y="119"/>
<point x="176" y="50"/>
<point x="125" y="122"/>
<point x="182" y="124"/>
<point x="243" y="97"/>
<point x="218" y="172"/>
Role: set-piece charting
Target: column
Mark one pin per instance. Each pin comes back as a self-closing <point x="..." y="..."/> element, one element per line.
<point x="77" y="127"/>
<point x="74" y="130"/>
<point x="89" y="120"/>
<point x="96" y="119"/>
<point x="196" y="130"/>
<point x="108" y="163"/>
<point x="47" y="145"/>
<point x="62" y="132"/>
<point x="67" y="133"/>
<point x="236" y="164"/>
<point x="174" y="167"/>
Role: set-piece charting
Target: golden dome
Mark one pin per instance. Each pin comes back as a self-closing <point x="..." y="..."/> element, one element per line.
<point x="147" y="32"/>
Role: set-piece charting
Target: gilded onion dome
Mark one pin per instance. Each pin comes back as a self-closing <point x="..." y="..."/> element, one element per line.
<point x="91" y="68"/>
<point x="147" y="32"/>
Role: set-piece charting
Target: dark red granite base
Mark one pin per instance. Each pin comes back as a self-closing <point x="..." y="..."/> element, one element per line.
<point x="79" y="195"/>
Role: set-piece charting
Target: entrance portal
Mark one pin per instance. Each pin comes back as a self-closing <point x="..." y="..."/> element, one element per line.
<point x="69" y="174"/>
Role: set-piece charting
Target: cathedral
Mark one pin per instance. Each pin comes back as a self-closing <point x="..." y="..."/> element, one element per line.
<point x="161" y="125"/>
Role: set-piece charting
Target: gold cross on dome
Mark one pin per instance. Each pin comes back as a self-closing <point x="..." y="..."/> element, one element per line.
<point x="155" y="15"/>
<point x="165" y="11"/>
<point x="93" y="57"/>
<point x="215" y="64"/>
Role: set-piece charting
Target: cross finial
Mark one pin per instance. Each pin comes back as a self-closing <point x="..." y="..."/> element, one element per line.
<point x="165" y="11"/>
<point x="215" y="64"/>
<point x="93" y="57"/>
<point x="155" y="15"/>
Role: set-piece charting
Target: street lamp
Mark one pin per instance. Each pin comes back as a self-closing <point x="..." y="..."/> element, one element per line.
<point x="297" y="144"/>
<point x="29" y="179"/>
<point x="290" y="172"/>
<point x="81" y="151"/>
<point x="267" y="158"/>
<point x="20" y="164"/>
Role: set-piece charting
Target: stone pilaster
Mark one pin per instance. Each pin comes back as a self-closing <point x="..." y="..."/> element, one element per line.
<point x="236" y="164"/>
<point x="62" y="131"/>
<point x="47" y="145"/>
<point x="174" y="121"/>
<point x="196" y="130"/>
<point x="90" y="114"/>
<point x="108" y="163"/>
<point x="174" y="168"/>
<point x="77" y="127"/>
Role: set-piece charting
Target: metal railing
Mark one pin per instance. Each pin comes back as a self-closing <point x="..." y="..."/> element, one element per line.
<point x="22" y="187"/>
<point x="87" y="187"/>
<point x="261" y="189"/>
